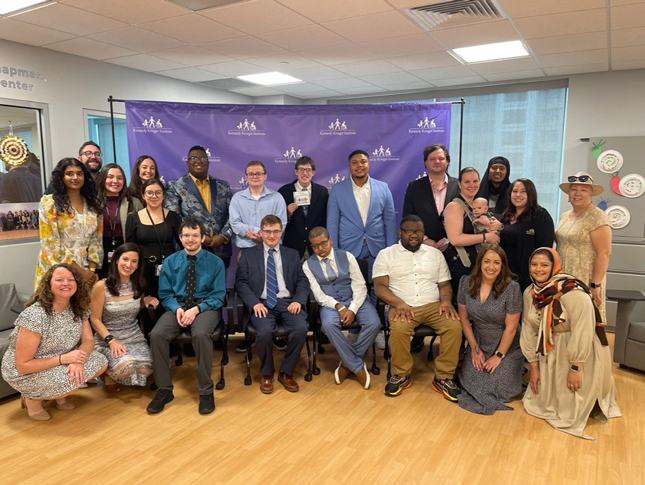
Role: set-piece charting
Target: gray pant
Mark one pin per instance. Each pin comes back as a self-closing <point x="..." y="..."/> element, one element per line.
<point x="351" y="355"/>
<point x="201" y="330"/>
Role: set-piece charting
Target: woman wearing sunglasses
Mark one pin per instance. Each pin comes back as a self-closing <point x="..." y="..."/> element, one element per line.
<point x="583" y="237"/>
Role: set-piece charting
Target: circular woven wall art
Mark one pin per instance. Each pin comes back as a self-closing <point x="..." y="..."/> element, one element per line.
<point x="13" y="150"/>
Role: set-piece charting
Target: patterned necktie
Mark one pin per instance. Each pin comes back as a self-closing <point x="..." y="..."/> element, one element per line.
<point x="191" y="283"/>
<point x="272" y="281"/>
<point x="331" y="274"/>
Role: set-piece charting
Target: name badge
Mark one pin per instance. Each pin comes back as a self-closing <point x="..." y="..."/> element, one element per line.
<point x="301" y="197"/>
<point x="530" y="232"/>
<point x="110" y="254"/>
<point x="158" y="269"/>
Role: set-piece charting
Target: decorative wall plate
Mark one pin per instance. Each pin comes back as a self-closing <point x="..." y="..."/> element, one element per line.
<point x="13" y="150"/>
<point x="618" y="215"/>
<point x="610" y="161"/>
<point x="632" y="185"/>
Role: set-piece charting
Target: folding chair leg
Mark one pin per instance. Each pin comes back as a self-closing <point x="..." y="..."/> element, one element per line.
<point x="309" y="374"/>
<point x="375" y="369"/>
<point x="431" y="351"/>
<point x="316" y="369"/>
<point x="249" y="356"/>
<point x="222" y="381"/>
<point x="387" y="353"/>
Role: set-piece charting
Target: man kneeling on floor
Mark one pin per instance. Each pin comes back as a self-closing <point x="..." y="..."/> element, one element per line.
<point x="339" y="287"/>
<point x="192" y="287"/>
<point x="414" y="280"/>
<point x="270" y="282"/>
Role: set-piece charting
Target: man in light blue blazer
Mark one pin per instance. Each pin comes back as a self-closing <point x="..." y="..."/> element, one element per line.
<point x="360" y="213"/>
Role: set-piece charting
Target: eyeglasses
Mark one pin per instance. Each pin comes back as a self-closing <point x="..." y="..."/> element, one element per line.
<point x="410" y="232"/>
<point x="305" y="170"/>
<point x="582" y="178"/>
<point x="190" y="236"/>
<point x="277" y="232"/>
<point x="89" y="154"/>
<point x="155" y="193"/>
<point x="197" y="159"/>
<point x="320" y="245"/>
<point x="255" y="174"/>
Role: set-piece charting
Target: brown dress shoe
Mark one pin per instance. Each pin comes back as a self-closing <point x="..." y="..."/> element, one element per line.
<point x="363" y="377"/>
<point x="266" y="384"/>
<point x="341" y="373"/>
<point x="288" y="382"/>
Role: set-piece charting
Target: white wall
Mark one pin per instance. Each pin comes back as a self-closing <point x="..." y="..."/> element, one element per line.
<point x="73" y="84"/>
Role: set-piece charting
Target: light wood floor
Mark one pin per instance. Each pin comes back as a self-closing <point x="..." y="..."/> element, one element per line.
<point x="323" y="434"/>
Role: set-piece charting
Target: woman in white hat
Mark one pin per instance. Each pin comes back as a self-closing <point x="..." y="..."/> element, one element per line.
<point x="583" y="237"/>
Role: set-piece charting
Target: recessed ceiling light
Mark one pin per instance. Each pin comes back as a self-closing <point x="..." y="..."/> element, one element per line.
<point x="8" y="6"/>
<point x="491" y="52"/>
<point x="270" y="79"/>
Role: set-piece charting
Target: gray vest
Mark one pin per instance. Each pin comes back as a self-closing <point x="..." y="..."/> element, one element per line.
<point x="341" y="288"/>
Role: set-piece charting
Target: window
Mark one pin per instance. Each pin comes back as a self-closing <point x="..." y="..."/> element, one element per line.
<point x="100" y="131"/>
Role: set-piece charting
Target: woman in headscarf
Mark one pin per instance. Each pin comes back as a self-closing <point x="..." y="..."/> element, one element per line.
<point x="495" y="185"/>
<point x="564" y="341"/>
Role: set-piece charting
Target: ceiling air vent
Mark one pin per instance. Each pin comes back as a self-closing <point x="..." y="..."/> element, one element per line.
<point x="429" y="16"/>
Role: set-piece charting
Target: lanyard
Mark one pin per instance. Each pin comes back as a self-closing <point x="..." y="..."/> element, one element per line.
<point x="112" y="223"/>
<point x="161" y="244"/>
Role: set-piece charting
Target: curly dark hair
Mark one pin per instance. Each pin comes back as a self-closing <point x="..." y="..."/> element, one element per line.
<point x="100" y="185"/>
<point x="503" y="278"/>
<point x="136" y="184"/>
<point x="79" y="302"/>
<point x="113" y="280"/>
<point x="59" y="189"/>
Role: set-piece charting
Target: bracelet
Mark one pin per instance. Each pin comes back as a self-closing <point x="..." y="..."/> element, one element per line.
<point x="60" y="359"/>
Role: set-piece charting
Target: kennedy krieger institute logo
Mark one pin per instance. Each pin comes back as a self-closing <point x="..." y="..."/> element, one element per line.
<point x="211" y="158"/>
<point x="383" y="154"/>
<point x="427" y="125"/>
<point x="290" y="156"/>
<point x="333" y="180"/>
<point x="247" y="128"/>
<point x="337" y="128"/>
<point x="152" y="125"/>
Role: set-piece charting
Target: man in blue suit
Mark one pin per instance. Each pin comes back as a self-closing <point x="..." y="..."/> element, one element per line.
<point x="206" y="199"/>
<point x="272" y="285"/>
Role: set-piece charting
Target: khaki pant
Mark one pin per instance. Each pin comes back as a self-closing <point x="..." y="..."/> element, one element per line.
<point x="449" y="330"/>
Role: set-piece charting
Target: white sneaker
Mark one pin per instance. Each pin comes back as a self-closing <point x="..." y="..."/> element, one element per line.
<point x="352" y="338"/>
<point x="380" y="340"/>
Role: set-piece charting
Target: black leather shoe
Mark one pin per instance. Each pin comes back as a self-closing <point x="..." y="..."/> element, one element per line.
<point x="416" y="345"/>
<point x="280" y="343"/>
<point x="206" y="403"/>
<point x="160" y="400"/>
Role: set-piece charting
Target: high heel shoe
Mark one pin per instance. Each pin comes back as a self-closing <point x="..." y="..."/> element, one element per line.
<point x="65" y="405"/>
<point x="40" y="416"/>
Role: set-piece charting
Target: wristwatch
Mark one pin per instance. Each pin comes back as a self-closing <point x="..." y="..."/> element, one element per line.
<point x="109" y="338"/>
<point x="500" y="355"/>
<point x="595" y="285"/>
<point x="575" y="368"/>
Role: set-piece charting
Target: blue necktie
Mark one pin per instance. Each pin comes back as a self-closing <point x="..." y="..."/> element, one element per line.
<point x="272" y="281"/>
<point x="331" y="274"/>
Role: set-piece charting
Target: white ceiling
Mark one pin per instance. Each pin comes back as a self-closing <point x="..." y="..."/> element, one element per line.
<point x="339" y="47"/>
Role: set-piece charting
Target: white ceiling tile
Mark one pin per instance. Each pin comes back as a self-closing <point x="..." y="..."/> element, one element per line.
<point x="615" y="3"/>
<point x="374" y="27"/>
<point x="130" y="11"/>
<point x="628" y="16"/>
<point x="145" y="62"/>
<point x="580" y="69"/>
<point x="476" y="34"/>
<point x="69" y="19"/>
<point x="627" y="65"/>
<point x="325" y="11"/>
<point x="233" y="68"/>
<point x="331" y="56"/>
<point x="80" y="46"/>
<point x="628" y="37"/>
<point x="522" y="8"/>
<point x="245" y="47"/>
<point x="412" y="3"/>
<point x="425" y="61"/>
<point x="257" y="17"/>
<point x="324" y="93"/>
<point x="458" y="81"/>
<point x="621" y="54"/>
<point x="191" y="74"/>
<point x="343" y="83"/>
<point x="30" y="34"/>
<point x="304" y="38"/>
<point x="411" y="86"/>
<point x="573" y="58"/>
<point x="137" y="39"/>
<point x="569" y="23"/>
<point x="569" y="43"/>
<point x="257" y="91"/>
<point x="367" y="67"/>
<point x="443" y="73"/>
<point x="408" y="44"/>
<point x="390" y="78"/>
<point x="316" y="73"/>
<point x="300" y="88"/>
<point x="192" y="28"/>
<point x="510" y="76"/>
<point x="282" y="62"/>
<point x="509" y="65"/>
<point x="191" y="55"/>
<point x="364" y="90"/>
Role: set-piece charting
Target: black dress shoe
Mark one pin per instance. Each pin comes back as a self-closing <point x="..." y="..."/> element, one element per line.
<point x="160" y="400"/>
<point x="241" y="347"/>
<point x="279" y="343"/>
<point x="189" y="350"/>
<point x="416" y="345"/>
<point x="206" y="403"/>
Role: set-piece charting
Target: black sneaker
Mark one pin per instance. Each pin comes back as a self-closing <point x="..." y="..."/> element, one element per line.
<point x="397" y="385"/>
<point x="241" y="348"/>
<point x="280" y="343"/>
<point x="206" y="403"/>
<point x="448" y="388"/>
<point x="416" y="345"/>
<point x="160" y="400"/>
